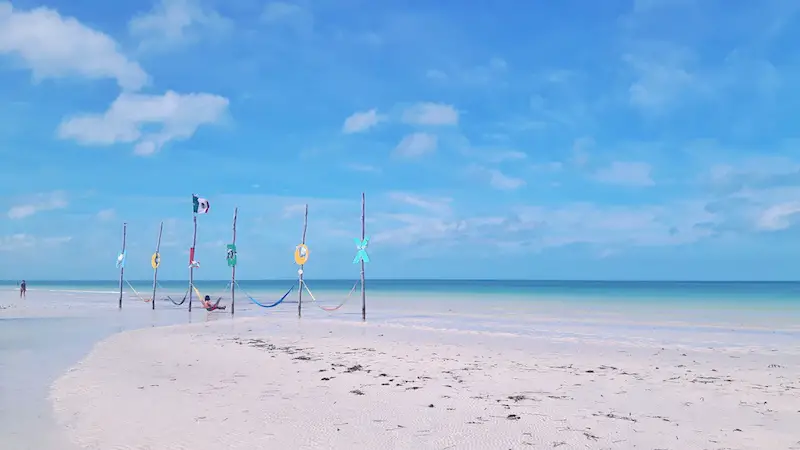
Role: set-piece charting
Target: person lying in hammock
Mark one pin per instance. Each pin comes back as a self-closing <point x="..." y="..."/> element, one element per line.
<point x="212" y="306"/>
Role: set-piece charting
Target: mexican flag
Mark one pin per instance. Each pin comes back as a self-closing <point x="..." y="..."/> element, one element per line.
<point x="200" y="205"/>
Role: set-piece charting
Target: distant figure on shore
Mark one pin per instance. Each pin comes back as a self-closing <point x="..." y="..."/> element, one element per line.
<point x="23" y="289"/>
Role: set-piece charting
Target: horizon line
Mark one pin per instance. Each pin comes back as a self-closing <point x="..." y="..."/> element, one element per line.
<point x="537" y="280"/>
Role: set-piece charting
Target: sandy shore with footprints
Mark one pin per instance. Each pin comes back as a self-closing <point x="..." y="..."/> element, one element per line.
<point x="323" y="384"/>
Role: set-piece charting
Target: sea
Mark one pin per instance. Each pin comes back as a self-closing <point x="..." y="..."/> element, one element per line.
<point x="58" y="322"/>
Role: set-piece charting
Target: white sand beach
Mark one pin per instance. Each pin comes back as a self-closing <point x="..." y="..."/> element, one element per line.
<point x="280" y="383"/>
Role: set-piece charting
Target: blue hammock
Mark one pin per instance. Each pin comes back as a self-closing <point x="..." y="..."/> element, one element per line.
<point x="267" y="306"/>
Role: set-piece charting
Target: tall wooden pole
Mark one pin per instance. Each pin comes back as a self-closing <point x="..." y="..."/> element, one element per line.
<point x="155" y="271"/>
<point x="191" y="265"/>
<point x="363" y="235"/>
<point x="300" y="291"/>
<point x="122" y="266"/>
<point x="233" y="268"/>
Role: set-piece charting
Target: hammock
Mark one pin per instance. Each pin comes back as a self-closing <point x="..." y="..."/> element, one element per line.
<point x="272" y="305"/>
<point x="179" y="303"/>
<point x="330" y="308"/>
<point x="175" y="302"/>
<point x="136" y="293"/>
<point x="213" y="306"/>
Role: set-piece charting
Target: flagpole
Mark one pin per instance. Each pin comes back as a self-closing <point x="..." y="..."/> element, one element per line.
<point x="300" y="290"/>
<point x="363" y="235"/>
<point x="155" y="271"/>
<point x="233" y="268"/>
<point x="191" y="263"/>
<point x="122" y="265"/>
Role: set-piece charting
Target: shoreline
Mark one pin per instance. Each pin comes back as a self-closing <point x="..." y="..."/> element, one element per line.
<point x="274" y="382"/>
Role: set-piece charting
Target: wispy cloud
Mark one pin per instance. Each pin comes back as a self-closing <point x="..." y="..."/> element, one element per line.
<point x="361" y="121"/>
<point x="175" y="22"/>
<point x="779" y="217"/>
<point x="534" y="228"/>
<point x="662" y="80"/>
<point x="626" y="174"/>
<point x="494" y="155"/>
<point x="496" y="178"/>
<point x="438" y="205"/>
<point x="363" y="168"/>
<point x="431" y="114"/>
<point x="107" y="214"/>
<point x="488" y="74"/>
<point x="298" y="18"/>
<point x="416" y="145"/>
<point x="584" y="223"/>
<point x="21" y="241"/>
<point x="580" y="151"/>
<point x="39" y="203"/>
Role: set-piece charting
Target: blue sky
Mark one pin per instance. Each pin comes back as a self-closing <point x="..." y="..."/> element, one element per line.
<point x="649" y="139"/>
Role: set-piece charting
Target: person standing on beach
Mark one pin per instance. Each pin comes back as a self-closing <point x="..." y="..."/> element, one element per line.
<point x="23" y="289"/>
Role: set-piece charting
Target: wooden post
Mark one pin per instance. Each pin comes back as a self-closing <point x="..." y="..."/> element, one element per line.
<point x="302" y="271"/>
<point x="155" y="271"/>
<point x="122" y="267"/>
<point x="363" y="235"/>
<point x="233" y="269"/>
<point x="191" y="266"/>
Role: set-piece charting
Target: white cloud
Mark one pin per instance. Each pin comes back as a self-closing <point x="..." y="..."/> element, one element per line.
<point x="361" y="121"/>
<point x="499" y="180"/>
<point x="778" y="217"/>
<point x="406" y="230"/>
<point x="496" y="178"/>
<point x="431" y="114"/>
<point x="553" y="166"/>
<point x="754" y="194"/>
<point x="175" y="22"/>
<point x="53" y="46"/>
<point x="481" y="75"/>
<point x="439" y="205"/>
<point x="293" y="210"/>
<point x="580" y="151"/>
<point x="20" y="241"/>
<point x="626" y="174"/>
<point x="295" y="16"/>
<point x="416" y="144"/>
<point x="435" y="74"/>
<point x="494" y="155"/>
<point x="39" y="203"/>
<point x="510" y="155"/>
<point x="106" y="214"/>
<point x="277" y="11"/>
<point x="363" y="168"/>
<point x="642" y="6"/>
<point x="584" y="223"/>
<point x="659" y="81"/>
<point x="179" y="116"/>
<point x="533" y="228"/>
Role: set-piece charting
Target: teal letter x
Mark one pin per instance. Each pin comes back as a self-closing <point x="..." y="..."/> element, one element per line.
<point x="362" y="250"/>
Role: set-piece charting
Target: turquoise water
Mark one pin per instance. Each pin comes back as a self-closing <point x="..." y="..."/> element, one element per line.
<point x="34" y="351"/>
<point x="784" y="292"/>
<point x="769" y="305"/>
